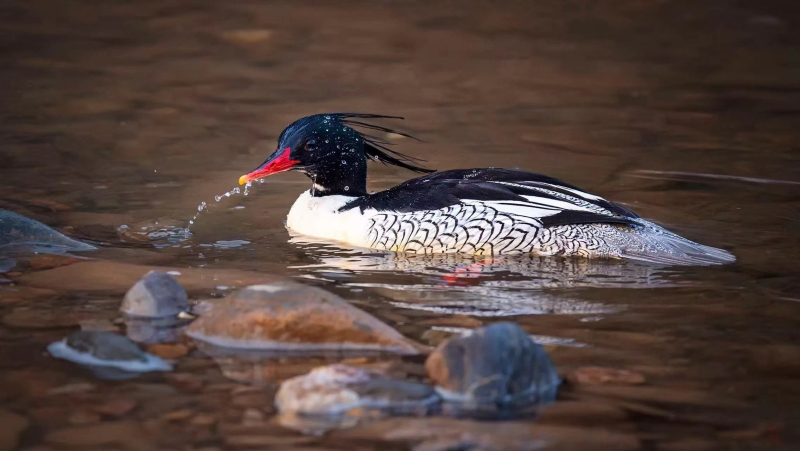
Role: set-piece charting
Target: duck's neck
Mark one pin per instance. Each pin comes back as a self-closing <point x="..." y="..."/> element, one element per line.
<point x="344" y="178"/>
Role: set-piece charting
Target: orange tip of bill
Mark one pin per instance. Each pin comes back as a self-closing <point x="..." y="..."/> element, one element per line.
<point x="243" y="180"/>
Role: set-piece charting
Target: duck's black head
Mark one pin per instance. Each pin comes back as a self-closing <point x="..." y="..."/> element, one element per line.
<point x="333" y="154"/>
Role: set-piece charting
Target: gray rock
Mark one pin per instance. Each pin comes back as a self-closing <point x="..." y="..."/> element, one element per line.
<point x="156" y="295"/>
<point x="498" y="364"/>
<point x="19" y="234"/>
<point x="151" y="331"/>
<point x="97" y="349"/>
<point x="105" y="346"/>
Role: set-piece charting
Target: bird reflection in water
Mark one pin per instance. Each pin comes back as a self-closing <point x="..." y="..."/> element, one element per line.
<point x="481" y="285"/>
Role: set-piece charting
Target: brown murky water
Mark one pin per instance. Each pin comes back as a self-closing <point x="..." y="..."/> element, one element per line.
<point x="118" y="113"/>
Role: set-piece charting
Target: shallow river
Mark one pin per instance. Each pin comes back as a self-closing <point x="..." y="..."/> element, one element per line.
<point x="133" y="113"/>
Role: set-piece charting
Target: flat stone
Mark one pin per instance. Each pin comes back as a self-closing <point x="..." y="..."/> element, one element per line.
<point x="117" y="277"/>
<point x="156" y="295"/>
<point x="336" y="389"/>
<point x="25" y="235"/>
<point x="105" y="349"/>
<point x="115" y="407"/>
<point x="291" y="316"/>
<point x="11" y="426"/>
<point x="495" y="364"/>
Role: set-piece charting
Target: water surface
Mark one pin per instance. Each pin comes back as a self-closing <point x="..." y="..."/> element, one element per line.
<point x="132" y="114"/>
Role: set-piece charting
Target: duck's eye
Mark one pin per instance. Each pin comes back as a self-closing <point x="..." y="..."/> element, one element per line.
<point x="311" y="144"/>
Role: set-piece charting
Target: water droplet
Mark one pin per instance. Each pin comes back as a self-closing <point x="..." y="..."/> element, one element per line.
<point x="327" y="141"/>
<point x="347" y="188"/>
<point x="344" y="162"/>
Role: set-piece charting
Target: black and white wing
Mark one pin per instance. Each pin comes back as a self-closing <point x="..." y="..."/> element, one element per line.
<point x="483" y="211"/>
<point x="520" y="193"/>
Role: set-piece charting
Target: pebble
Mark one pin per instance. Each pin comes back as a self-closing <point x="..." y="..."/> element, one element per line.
<point x="105" y="349"/>
<point x="168" y="352"/>
<point x="115" y="407"/>
<point x="498" y="364"/>
<point x="336" y="389"/>
<point x="202" y="419"/>
<point x="156" y="295"/>
<point x="291" y="316"/>
<point x="178" y="415"/>
<point x="80" y="387"/>
<point x="247" y="36"/>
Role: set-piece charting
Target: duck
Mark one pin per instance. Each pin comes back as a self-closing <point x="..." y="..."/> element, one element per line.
<point x="482" y="211"/>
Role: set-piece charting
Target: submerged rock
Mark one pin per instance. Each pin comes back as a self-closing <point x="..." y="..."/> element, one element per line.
<point x="151" y="331"/>
<point x="289" y="316"/>
<point x="118" y="277"/>
<point x="19" y="234"/>
<point x="337" y="389"/>
<point x="156" y="295"/>
<point x="498" y="364"/>
<point x="97" y="349"/>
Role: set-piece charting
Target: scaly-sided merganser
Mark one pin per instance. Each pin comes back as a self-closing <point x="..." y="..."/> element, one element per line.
<point x="477" y="211"/>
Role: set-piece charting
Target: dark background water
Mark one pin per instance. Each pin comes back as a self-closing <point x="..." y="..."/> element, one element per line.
<point x="126" y="113"/>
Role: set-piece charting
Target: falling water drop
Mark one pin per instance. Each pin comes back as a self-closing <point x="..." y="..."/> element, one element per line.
<point x="204" y="206"/>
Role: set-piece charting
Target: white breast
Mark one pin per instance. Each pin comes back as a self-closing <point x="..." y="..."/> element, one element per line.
<point x="320" y="217"/>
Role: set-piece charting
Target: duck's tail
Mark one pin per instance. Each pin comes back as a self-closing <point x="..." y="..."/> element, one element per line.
<point x="654" y="244"/>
